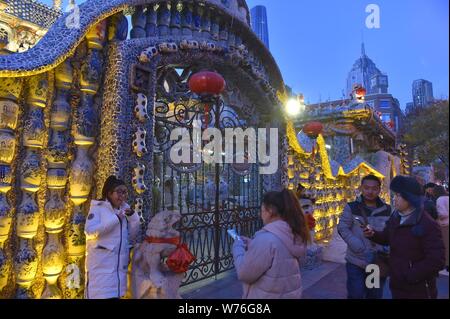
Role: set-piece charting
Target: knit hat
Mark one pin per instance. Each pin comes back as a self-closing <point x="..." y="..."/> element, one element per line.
<point x="409" y="189"/>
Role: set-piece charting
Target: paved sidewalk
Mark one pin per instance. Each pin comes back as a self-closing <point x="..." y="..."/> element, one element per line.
<point x="328" y="281"/>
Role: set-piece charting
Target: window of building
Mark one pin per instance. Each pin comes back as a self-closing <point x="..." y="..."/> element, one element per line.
<point x="371" y="103"/>
<point x="385" y="104"/>
<point x="386" y="117"/>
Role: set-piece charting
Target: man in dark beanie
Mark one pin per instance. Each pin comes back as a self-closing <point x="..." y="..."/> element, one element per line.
<point x="409" y="189"/>
<point x="417" y="251"/>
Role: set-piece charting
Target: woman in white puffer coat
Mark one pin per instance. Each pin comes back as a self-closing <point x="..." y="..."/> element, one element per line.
<point x="111" y="227"/>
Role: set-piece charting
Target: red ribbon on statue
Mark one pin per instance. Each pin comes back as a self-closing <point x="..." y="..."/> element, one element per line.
<point x="155" y="240"/>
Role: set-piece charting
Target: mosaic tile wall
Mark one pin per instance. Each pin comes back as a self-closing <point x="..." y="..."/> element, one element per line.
<point x="68" y="120"/>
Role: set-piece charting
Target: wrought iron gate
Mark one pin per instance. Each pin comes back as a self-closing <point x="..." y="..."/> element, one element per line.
<point x="211" y="197"/>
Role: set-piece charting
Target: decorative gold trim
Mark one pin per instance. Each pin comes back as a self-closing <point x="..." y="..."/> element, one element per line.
<point x="62" y="58"/>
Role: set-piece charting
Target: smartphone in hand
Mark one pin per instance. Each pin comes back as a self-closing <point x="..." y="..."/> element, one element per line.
<point x="361" y="222"/>
<point x="233" y="234"/>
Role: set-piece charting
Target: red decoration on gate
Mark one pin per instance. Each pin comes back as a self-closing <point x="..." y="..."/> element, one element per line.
<point x="207" y="83"/>
<point x="313" y="129"/>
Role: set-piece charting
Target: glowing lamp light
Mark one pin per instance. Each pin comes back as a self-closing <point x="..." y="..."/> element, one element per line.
<point x="293" y="107"/>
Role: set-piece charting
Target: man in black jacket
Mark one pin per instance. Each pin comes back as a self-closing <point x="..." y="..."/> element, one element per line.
<point x="429" y="204"/>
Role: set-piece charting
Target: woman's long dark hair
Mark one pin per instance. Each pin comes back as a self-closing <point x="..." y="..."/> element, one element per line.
<point x="110" y="184"/>
<point x="287" y="206"/>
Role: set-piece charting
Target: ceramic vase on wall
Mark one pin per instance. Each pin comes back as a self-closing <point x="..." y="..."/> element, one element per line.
<point x="4" y="270"/>
<point x="9" y="114"/>
<point x="56" y="178"/>
<point x="81" y="176"/>
<point x="34" y="131"/>
<point x="25" y="267"/>
<point x="52" y="266"/>
<point x="91" y="70"/>
<point x="27" y="220"/>
<point x="5" y="226"/>
<point x="55" y="212"/>
<point x="86" y="126"/>
<point x="7" y="146"/>
<point x="96" y="35"/>
<point x="139" y="21"/>
<point x="37" y="90"/>
<point x="76" y="240"/>
<point x="5" y="178"/>
<point x="5" y="219"/>
<point x="30" y="177"/>
<point x="118" y="27"/>
<point x="60" y="114"/>
<point x="64" y="75"/>
<point x="76" y="247"/>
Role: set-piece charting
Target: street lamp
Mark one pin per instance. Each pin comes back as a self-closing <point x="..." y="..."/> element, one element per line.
<point x="295" y="106"/>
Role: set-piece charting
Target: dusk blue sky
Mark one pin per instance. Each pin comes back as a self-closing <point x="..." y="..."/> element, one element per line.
<point x="316" y="43"/>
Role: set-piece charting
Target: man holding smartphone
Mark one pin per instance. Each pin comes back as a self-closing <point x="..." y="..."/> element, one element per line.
<point x="368" y="209"/>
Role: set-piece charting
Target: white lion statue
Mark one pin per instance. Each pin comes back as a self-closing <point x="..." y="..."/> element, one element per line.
<point x="150" y="277"/>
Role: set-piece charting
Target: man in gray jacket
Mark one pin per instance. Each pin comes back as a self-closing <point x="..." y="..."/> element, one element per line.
<point x="367" y="209"/>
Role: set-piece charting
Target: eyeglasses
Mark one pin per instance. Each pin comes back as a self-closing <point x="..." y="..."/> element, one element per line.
<point x="121" y="192"/>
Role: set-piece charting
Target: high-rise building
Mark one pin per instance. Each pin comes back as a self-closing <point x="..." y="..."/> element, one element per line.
<point x="366" y="73"/>
<point x="409" y="107"/>
<point x="422" y="91"/>
<point x="259" y="23"/>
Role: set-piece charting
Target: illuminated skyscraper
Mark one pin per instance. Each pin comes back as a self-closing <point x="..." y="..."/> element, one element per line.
<point x="259" y="23"/>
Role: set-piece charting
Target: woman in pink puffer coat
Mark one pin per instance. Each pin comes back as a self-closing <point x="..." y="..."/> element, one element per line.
<point x="268" y="265"/>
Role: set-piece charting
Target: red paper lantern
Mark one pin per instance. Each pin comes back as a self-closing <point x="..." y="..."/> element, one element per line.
<point x="207" y="83"/>
<point x="361" y="92"/>
<point x="313" y="128"/>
